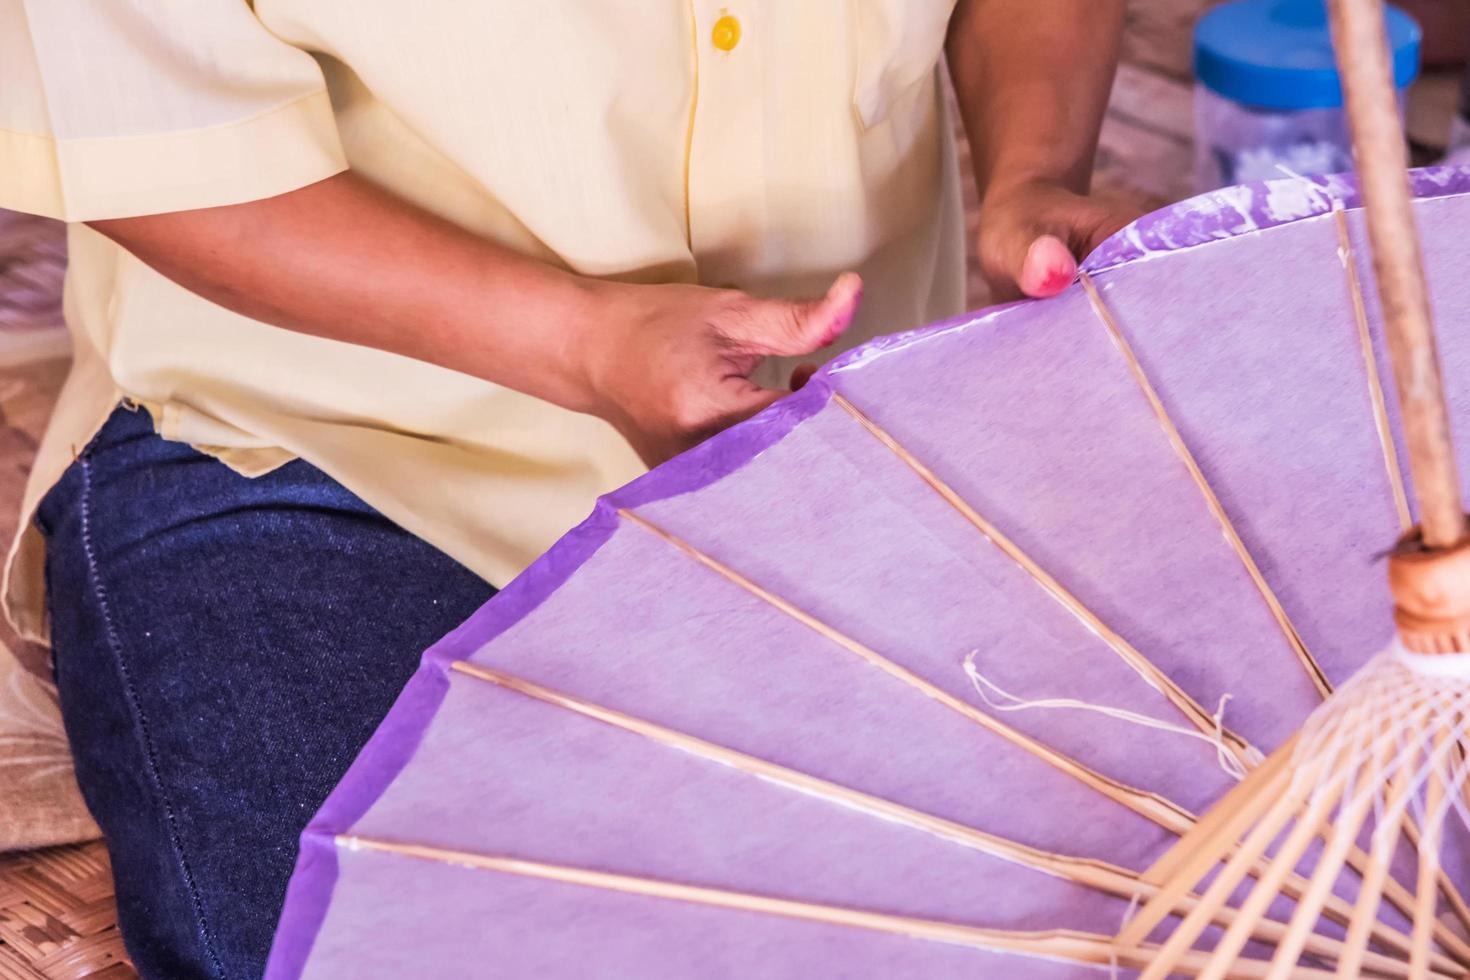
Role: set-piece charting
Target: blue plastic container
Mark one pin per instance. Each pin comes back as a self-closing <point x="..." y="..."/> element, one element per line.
<point x="1268" y="98"/>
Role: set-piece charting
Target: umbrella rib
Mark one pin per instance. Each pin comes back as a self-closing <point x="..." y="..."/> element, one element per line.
<point x="1165" y="813"/>
<point x="1429" y="870"/>
<point x="1324" y="874"/>
<point x="1365" y="909"/>
<point x="1232" y="832"/>
<point x="1130" y="655"/>
<point x="1090" y="873"/>
<point x="1145" y="668"/>
<point x="1217" y="509"/>
<point x="1153" y="807"/>
<point x="1098" y="875"/>
<point x="1063" y="944"/>
<point x="1391" y="462"/>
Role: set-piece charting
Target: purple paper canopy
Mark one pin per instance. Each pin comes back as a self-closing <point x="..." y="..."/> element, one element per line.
<point x="833" y="644"/>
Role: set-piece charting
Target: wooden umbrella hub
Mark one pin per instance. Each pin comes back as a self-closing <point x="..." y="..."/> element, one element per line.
<point x="1431" y="593"/>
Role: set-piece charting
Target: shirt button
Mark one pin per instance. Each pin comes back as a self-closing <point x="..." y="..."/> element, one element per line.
<point x="726" y="33"/>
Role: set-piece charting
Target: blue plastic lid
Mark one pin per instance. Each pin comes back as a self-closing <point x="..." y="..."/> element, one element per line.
<point x="1277" y="54"/>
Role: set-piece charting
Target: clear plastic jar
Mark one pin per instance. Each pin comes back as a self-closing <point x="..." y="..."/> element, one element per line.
<point x="1268" y="101"/>
<point x="1235" y="143"/>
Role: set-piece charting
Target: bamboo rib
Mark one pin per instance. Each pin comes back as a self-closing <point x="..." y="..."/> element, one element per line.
<point x="1253" y="848"/>
<point x="1268" y="886"/>
<point x="1157" y="679"/>
<point x="1428" y="891"/>
<point x="1166" y="814"/>
<point x="1160" y="681"/>
<point x="1214" y="836"/>
<point x="1217" y="509"/>
<point x="1398" y="895"/>
<point x="1391" y="461"/>
<point x="1458" y="908"/>
<point x="1379" y="151"/>
<point x="1421" y="905"/>
<point x="1080" y="947"/>
<point x="1097" y="875"/>
<point x="1262" y="807"/>
<point x="1344" y="834"/>
<point x="1365" y="910"/>
<point x="1392" y="465"/>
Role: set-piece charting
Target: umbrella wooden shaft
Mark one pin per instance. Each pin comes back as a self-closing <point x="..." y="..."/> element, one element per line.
<point x="1430" y="572"/>
<point x="1382" y="164"/>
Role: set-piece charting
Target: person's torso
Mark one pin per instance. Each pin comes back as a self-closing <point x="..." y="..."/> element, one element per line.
<point x="765" y="146"/>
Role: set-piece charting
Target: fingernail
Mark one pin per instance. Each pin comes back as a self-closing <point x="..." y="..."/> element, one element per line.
<point x="1048" y="268"/>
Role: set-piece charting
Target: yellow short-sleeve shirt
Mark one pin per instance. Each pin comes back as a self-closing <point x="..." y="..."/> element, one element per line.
<point x="760" y="144"/>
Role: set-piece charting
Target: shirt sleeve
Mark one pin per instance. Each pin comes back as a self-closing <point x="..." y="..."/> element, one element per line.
<point x="118" y="108"/>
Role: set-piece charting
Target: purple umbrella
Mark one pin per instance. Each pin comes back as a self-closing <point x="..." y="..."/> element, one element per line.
<point x="915" y="673"/>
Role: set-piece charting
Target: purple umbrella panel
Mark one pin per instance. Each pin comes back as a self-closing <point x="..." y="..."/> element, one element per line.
<point x="920" y="670"/>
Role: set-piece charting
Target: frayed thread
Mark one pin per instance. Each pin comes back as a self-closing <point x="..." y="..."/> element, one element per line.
<point x="999" y="699"/>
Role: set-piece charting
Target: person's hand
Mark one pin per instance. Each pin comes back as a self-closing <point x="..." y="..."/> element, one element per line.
<point x="1033" y="234"/>
<point x="669" y="365"/>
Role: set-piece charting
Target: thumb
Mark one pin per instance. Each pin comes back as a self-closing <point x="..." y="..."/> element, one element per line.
<point x="786" y="329"/>
<point x="1047" y="268"/>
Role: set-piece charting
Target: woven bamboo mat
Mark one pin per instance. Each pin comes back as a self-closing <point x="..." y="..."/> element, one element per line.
<point x="58" y="920"/>
<point x="57" y="916"/>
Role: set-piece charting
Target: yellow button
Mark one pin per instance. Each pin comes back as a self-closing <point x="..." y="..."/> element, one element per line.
<point x="726" y="33"/>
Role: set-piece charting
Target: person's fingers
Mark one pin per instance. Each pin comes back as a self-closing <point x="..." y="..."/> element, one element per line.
<point x="1046" y="268"/>
<point x="786" y="329"/>
<point x="1031" y="240"/>
<point x="1024" y="251"/>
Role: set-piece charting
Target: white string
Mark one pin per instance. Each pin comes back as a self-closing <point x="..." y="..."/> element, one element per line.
<point x="985" y="687"/>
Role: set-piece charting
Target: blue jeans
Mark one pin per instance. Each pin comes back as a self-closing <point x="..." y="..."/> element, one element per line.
<point x="223" y="648"/>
